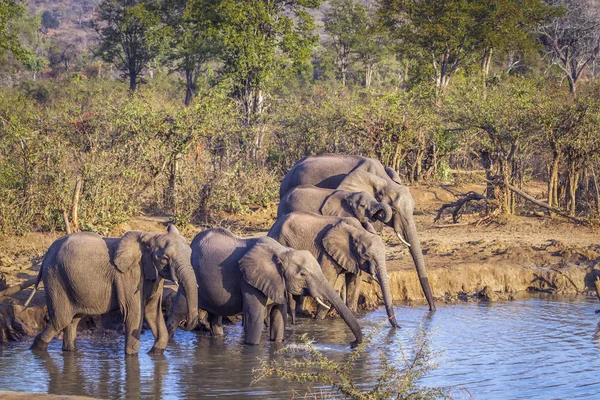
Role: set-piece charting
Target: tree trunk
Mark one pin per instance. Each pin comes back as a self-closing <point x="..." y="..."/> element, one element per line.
<point x="368" y="76"/>
<point x="132" y="81"/>
<point x="189" y="87"/>
<point x="485" y="68"/>
<point x="572" y="189"/>
<point x="553" y="180"/>
<point x="172" y="196"/>
<point x="597" y="190"/>
<point x="75" y="204"/>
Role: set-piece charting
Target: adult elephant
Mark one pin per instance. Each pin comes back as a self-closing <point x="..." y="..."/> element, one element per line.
<point x="342" y="247"/>
<point x="338" y="203"/>
<point x="355" y="174"/>
<point x="86" y="274"/>
<point x="237" y="275"/>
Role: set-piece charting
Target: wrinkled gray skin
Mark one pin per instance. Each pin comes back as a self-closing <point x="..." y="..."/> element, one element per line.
<point x="356" y="174"/>
<point x="86" y="274"/>
<point x="237" y="275"/>
<point x="338" y="203"/>
<point x="342" y="247"/>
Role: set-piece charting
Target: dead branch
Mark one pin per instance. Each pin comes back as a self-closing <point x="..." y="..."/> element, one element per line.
<point x="67" y="224"/>
<point x="458" y="205"/>
<point x="17" y="288"/>
<point x="544" y="205"/>
<point x="75" y="204"/>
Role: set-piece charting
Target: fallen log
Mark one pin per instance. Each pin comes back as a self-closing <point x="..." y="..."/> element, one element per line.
<point x="537" y="202"/>
<point x="17" y="288"/>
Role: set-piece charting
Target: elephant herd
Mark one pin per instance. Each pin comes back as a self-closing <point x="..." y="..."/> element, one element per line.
<point x="326" y="235"/>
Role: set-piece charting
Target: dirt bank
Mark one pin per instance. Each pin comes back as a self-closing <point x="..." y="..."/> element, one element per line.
<point x="465" y="262"/>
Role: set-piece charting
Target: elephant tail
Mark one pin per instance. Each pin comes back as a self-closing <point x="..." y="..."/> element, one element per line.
<point x="35" y="286"/>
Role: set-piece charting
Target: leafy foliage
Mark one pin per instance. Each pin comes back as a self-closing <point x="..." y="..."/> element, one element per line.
<point x="393" y="381"/>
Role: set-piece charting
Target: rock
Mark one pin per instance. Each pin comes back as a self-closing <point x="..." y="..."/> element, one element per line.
<point x="487" y="294"/>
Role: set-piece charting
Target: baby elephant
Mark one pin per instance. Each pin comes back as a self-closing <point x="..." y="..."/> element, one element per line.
<point x="86" y="274"/>
<point x="337" y="203"/>
<point x="237" y="275"/>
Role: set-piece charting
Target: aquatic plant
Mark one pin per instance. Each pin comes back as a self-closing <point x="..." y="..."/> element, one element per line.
<point x="393" y="380"/>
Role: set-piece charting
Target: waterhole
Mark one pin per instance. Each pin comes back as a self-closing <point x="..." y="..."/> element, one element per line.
<point x="542" y="347"/>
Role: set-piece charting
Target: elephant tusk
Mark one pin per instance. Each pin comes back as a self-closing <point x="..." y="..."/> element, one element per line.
<point x="321" y="303"/>
<point x="402" y="239"/>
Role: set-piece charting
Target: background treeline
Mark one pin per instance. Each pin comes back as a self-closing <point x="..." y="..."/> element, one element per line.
<point x="196" y="107"/>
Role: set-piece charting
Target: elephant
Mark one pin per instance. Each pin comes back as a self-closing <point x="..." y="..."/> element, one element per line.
<point x="238" y="275"/>
<point x="355" y="174"/>
<point x="338" y="203"/>
<point x="87" y="274"/>
<point x="342" y="247"/>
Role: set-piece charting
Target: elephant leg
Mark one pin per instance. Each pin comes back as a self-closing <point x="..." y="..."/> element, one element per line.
<point x="155" y="320"/>
<point x="69" y="334"/>
<point x="132" y="315"/>
<point x="278" y="316"/>
<point x="216" y="324"/>
<point x="292" y="303"/>
<point x="59" y="320"/>
<point x="267" y="318"/>
<point x="254" y="313"/>
<point x="177" y="314"/>
<point x="353" y="282"/>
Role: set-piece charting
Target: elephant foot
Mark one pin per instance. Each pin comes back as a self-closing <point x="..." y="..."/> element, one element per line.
<point x="156" y="351"/>
<point x="68" y="347"/>
<point x="131" y="352"/>
<point x="39" y="345"/>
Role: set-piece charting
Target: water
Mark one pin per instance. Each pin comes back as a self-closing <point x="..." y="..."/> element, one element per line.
<point x="544" y="347"/>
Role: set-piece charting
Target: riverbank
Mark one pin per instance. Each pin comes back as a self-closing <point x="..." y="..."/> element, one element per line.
<point x="465" y="261"/>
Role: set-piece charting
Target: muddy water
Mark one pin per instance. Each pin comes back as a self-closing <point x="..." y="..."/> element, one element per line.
<point x="531" y="348"/>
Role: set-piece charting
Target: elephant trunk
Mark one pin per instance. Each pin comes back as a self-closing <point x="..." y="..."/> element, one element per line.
<point x="332" y="297"/>
<point x="384" y="282"/>
<point x="408" y="229"/>
<point x="381" y="212"/>
<point x="187" y="280"/>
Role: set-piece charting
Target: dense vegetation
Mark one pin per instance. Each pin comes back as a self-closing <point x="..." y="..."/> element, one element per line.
<point x="221" y="100"/>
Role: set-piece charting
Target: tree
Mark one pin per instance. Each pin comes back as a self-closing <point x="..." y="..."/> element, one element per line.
<point x="438" y="31"/>
<point x="501" y="130"/>
<point x="506" y="26"/>
<point x="343" y="22"/>
<point x="572" y="41"/>
<point x="129" y="35"/>
<point x="10" y="10"/>
<point x="259" y="40"/>
<point x="373" y="42"/>
<point x="49" y="20"/>
<point x="190" y="42"/>
<point x="451" y="34"/>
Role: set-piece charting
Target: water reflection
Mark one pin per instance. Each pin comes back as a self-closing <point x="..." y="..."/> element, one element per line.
<point x="541" y="347"/>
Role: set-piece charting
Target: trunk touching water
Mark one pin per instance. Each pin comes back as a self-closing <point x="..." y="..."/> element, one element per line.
<point x="384" y="282"/>
<point x="187" y="280"/>
<point x="406" y="227"/>
<point x="329" y="294"/>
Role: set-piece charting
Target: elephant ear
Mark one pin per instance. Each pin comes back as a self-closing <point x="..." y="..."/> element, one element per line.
<point x="393" y="175"/>
<point x="363" y="181"/>
<point x="369" y="228"/>
<point x="261" y="268"/>
<point x="128" y="251"/>
<point x="340" y="244"/>
<point x="334" y="206"/>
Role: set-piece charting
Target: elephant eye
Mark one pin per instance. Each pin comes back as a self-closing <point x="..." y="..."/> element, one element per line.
<point x="367" y="256"/>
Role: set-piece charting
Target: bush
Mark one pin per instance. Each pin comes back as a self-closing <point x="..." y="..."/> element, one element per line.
<point x="392" y="381"/>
